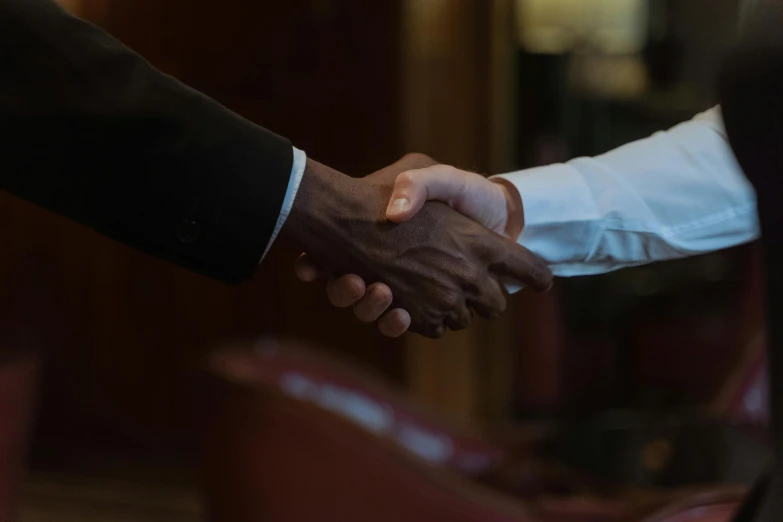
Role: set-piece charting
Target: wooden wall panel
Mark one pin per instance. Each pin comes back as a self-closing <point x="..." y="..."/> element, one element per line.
<point x="458" y="88"/>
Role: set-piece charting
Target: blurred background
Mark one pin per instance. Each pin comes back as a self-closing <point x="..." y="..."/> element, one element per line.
<point x="490" y="85"/>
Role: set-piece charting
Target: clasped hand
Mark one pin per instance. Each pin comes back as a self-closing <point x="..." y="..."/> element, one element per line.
<point x="427" y="245"/>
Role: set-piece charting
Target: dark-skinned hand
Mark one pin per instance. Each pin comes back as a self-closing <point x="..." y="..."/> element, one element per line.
<point x="439" y="265"/>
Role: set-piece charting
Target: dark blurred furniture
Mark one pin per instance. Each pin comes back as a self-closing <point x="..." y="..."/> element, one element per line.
<point x="296" y="436"/>
<point x="146" y="494"/>
<point x="18" y="386"/>
<point x="665" y="360"/>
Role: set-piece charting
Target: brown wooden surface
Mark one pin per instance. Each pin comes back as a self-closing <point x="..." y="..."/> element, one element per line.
<point x="457" y="88"/>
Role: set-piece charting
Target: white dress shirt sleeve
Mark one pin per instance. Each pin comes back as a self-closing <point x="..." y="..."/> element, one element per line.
<point x="297" y="171"/>
<point x="678" y="193"/>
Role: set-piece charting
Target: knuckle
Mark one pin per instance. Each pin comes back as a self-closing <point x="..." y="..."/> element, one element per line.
<point x="411" y="157"/>
<point x="345" y="291"/>
<point x="417" y="158"/>
<point x="500" y="306"/>
<point x="453" y="172"/>
<point x="491" y="313"/>
<point x="406" y="179"/>
<point x="491" y="307"/>
<point x="429" y="326"/>
<point x="542" y="277"/>
<point x="381" y="295"/>
<point x="384" y="299"/>
<point x="451" y="299"/>
<point x="484" y="248"/>
<point x="534" y="274"/>
<point x="350" y="288"/>
<point x="437" y="332"/>
<point x="460" y="321"/>
<point x="469" y="274"/>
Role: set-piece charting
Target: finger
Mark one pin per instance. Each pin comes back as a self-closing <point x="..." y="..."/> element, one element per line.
<point x="459" y="320"/>
<point x="433" y="330"/>
<point x="490" y="301"/>
<point x="345" y="291"/>
<point x="307" y="270"/>
<point x="413" y="188"/>
<point x="376" y="300"/>
<point x="521" y="265"/>
<point x="394" y="323"/>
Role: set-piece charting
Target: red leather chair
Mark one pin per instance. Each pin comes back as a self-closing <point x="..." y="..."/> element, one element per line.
<point x="298" y="437"/>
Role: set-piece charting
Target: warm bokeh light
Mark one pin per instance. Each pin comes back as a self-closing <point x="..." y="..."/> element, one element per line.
<point x="558" y="26"/>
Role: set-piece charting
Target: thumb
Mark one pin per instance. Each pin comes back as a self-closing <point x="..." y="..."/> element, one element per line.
<point x="413" y="188"/>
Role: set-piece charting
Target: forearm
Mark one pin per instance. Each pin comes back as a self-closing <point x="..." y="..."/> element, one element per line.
<point x="675" y="194"/>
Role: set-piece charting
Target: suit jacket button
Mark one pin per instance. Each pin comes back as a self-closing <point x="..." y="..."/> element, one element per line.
<point x="187" y="231"/>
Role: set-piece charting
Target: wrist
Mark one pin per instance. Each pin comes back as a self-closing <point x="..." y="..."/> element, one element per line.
<point x="325" y="210"/>
<point x="317" y="192"/>
<point x="515" y="213"/>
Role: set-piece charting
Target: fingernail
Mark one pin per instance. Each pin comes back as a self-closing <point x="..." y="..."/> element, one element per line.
<point x="398" y="206"/>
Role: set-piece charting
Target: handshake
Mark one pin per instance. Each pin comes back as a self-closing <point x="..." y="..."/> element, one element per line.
<point x="415" y="246"/>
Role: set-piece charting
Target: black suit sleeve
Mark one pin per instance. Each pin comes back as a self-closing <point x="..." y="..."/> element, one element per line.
<point x="90" y="130"/>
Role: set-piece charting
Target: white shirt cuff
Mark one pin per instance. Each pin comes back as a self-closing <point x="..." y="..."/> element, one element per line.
<point x="297" y="171"/>
<point x="560" y="215"/>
